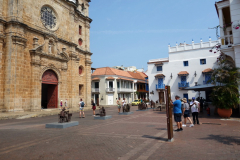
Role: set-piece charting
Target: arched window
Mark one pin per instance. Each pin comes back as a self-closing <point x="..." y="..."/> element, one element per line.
<point x="80" y="30"/>
<point x="80" y="70"/>
<point x="80" y="42"/>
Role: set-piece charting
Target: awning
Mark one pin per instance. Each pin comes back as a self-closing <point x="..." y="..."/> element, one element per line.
<point x="204" y="87"/>
<point x="160" y="75"/>
<point x="110" y="78"/>
<point x="208" y="70"/>
<point x="183" y="73"/>
<point x="96" y="79"/>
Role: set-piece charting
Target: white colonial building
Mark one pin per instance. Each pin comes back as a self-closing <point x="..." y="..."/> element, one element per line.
<point x="109" y="84"/>
<point x="229" y="20"/>
<point x="187" y="65"/>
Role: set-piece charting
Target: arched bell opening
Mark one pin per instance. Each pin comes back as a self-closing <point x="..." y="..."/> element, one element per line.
<point x="49" y="90"/>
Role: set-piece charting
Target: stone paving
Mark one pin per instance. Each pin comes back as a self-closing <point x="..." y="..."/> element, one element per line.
<point x="141" y="135"/>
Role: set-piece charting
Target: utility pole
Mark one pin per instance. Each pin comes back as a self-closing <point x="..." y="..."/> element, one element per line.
<point x="169" y="113"/>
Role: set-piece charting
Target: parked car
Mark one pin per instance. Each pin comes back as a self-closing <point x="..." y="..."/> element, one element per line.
<point x="136" y="102"/>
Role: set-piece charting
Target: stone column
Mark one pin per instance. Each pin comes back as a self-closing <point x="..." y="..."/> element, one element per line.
<point x="221" y="21"/>
<point x="14" y="46"/>
<point x="88" y="64"/>
<point x="1" y="71"/>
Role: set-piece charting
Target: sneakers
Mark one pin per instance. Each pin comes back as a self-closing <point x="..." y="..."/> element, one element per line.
<point x="184" y="125"/>
<point x="177" y="130"/>
<point x="191" y="125"/>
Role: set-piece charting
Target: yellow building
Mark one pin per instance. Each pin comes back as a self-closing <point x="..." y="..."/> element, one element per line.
<point x="44" y="54"/>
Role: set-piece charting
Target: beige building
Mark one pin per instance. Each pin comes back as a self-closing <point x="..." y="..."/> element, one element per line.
<point x="44" y="54"/>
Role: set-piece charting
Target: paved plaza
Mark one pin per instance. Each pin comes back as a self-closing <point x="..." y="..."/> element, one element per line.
<point x="141" y="135"/>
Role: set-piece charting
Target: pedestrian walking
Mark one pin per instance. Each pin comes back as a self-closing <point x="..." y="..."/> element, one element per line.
<point x="61" y="104"/>
<point x="177" y="110"/>
<point x="81" y="106"/>
<point x="186" y="113"/>
<point x="65" y="104"/>
<point x="195" y="109"/>
<point x="201" y="104"/>
<point x="123" y="103"/>
<point x="93" y="107"/>
<point x="118" y="105"/>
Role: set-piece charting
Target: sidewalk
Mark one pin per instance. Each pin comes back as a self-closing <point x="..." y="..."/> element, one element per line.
<point x="42" y="113"/>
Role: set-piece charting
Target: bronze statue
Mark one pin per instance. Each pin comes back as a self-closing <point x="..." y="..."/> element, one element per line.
<point x="126" y="108"/>
<point x="142" y="106"/>
<point x="64" y="116"/>
<point x="102" y="112"/>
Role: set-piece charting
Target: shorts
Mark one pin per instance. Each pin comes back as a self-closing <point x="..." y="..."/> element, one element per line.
<point x="81" y="108"/>
<point x="119" y="106"/>
<point x="93" y="107"/>
<point x="186" y="113"/>
<point x="178" y="117"/>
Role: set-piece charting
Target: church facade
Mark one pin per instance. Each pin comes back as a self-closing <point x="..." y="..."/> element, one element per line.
<point x="44" y="54"/>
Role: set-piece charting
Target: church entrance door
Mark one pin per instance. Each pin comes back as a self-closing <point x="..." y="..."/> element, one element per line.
<point x="49" y="90"/>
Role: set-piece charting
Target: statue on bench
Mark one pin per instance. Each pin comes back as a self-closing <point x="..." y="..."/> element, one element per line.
<point x="64" y="116"/>
<point x="102" y="112"/>
<point x="126" y="108"/>
<point x="142" y="106"/>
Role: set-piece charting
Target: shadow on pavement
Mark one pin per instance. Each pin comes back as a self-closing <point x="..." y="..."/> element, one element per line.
<point x="161" y="129"/>
<point x="157" y="138"/>
<point x="229" y="140"/>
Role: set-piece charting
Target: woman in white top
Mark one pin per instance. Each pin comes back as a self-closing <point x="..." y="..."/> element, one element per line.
<point x="186" y="113"/>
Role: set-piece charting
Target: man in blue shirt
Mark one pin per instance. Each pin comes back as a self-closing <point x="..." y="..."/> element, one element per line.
<point x="177" y="110"/>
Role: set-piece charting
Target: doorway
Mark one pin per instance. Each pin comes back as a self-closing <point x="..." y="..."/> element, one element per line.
<point x="49" y="90"/>
<point x="97" y="99"/>
<point x="161" y="97"/>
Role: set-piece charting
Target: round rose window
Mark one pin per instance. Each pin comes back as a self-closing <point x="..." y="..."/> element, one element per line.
<point x="48" y="17"/>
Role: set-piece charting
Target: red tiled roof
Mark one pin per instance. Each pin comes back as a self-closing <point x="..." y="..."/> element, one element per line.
<point x="208" y="70"/>
<point x="110" y="78"/>
<point x="110" y="71"/>
<point x="160" y="75"/>
<point x="137" y="75"/>
<point x="96" y="79"/>
<point x="183" y="73"/>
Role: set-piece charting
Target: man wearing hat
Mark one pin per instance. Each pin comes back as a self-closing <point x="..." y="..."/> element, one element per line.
<point x="177" y="110"/>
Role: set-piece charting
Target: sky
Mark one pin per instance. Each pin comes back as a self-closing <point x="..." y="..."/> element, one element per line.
<point x="131" y="32"/>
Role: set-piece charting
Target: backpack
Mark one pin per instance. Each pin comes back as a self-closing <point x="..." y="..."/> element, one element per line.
<point x="82" y="104"/>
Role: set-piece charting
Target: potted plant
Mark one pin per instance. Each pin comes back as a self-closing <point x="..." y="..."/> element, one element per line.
<point x="225" y="95"/>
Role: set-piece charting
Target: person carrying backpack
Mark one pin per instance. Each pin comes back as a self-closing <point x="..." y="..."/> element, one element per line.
<point x="81" y="106"/>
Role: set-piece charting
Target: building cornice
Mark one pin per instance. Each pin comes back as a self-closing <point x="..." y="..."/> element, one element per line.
<point x="45" y="34"/>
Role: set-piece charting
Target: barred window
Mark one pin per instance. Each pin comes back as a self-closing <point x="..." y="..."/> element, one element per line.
<point x="48" y="17"/>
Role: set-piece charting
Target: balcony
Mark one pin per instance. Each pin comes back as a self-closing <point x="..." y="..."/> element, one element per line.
<point x="227" y="41"/>
<point x="110" y="89"/>
<point x="95" y="90"/>
<point x="125" y="90"/>
<point x="183" y="85"/>
<point x="161" y="86"/>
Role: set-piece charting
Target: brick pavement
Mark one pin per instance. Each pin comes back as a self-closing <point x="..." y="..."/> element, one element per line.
<point x="141" y="135"/>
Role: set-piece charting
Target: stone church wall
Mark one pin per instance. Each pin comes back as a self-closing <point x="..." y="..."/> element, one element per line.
<point x="28" y="49"/>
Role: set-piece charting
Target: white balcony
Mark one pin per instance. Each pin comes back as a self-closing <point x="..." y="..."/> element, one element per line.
<point x="95" y="90"/>
<point x="110" y="89"/>
<point x="125" y="90"/>
<point x="226" y="41"/>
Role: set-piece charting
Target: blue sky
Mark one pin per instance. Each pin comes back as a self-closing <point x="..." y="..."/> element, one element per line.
<point x="130" y="32"/>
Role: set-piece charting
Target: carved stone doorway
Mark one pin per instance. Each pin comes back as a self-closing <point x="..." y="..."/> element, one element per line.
<point x="49" y="90"/>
